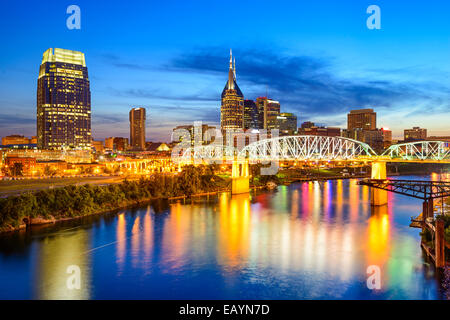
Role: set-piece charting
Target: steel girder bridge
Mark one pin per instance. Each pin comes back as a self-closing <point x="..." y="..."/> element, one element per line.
<point x="421" y="150"/>
<point x="285" y="148"/>
<point x="207" y="153"/>
<point x="424" y="190"/>
<point x="322" y="148"/>
<point x="306" y="148"/>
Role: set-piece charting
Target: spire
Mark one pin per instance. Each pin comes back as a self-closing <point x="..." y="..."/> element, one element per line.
<point x="234" y="68"/>
<point x="231" y="73"/>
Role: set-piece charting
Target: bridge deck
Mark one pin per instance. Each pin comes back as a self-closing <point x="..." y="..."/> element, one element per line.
<point x="414" y="188"/>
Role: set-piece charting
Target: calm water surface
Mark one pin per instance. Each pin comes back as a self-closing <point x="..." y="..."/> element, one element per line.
<point x="304" y="241"/>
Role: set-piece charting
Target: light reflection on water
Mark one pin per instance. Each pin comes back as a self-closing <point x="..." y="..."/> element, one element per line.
<point x="306" y="241"/>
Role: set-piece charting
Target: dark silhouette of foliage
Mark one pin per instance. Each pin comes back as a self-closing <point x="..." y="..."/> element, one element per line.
<point x="75" y="201"/>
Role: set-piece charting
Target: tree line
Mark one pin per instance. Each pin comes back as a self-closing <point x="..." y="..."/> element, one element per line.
<point x="75" y="201"/>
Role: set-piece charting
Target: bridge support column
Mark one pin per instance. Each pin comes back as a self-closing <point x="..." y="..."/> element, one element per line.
<point x="240" y="177"/>
<point x="440" y="244"/>
<point x="428" y="209"/>
<point x="379" y="197"/>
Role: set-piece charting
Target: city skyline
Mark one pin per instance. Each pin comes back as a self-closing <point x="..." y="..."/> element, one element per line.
<point x="225" y="151"/>
<point x="297" y="62"/>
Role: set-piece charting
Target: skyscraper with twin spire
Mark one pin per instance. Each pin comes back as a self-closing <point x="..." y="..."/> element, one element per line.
<point x="63" y="101"/>
<point x="232" y="107"/>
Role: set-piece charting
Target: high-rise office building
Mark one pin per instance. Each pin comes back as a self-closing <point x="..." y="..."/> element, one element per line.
<point x="271" y="110"/>
<point x="116" y="144"/>
<point x="205" y="135"/>
<point x="310" y="129"/>
<point x="387" y="137"/>
<point x="364" y="119"/>
<point x="415" y="134"/>
<point x="137" y="128"/>
<point x="307" y="124"/>
<point x="232" y="107"/>
<point x="252" y="117"/>
<point x="287" y="123"/>
<point x="63" y="101"/>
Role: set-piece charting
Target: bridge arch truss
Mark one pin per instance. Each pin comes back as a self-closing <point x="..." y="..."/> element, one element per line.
<point x="420" y="150"/>
<point x="307" y="148"/>
<point x="208" y="154"/>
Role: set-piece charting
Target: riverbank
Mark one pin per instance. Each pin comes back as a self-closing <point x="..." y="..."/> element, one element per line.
<point x="39" y="220"/>
<point x="17" y="187"/>
<point x="69" y="202"/>
<point x="76" y="201"/>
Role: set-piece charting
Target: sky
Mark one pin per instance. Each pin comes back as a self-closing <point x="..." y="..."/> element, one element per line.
<point x="318" y="58"/>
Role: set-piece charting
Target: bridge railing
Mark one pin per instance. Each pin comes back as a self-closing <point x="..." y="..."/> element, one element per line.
<point x="307" y="148"/>
<point x="419" y="150"/>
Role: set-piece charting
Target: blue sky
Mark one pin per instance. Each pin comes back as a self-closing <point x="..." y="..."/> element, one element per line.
<point x="317" y="58"/>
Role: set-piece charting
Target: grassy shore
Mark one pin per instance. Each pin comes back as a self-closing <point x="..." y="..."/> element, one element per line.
<point x="73" y="201"/>
<point x="17" y="187"/>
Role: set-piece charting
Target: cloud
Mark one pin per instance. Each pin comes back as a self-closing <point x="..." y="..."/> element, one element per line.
<point x="307" y="84"/>
<point x="100" y="118"/>
<point x="116" y="61"/>
<point x="165" y="95"/>
<point x="16" y="120"/>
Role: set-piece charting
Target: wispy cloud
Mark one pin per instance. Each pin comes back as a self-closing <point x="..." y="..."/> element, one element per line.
<point x="307" y="84"/>
<point x="16" y="120"/>
<point x="149" y="93"/>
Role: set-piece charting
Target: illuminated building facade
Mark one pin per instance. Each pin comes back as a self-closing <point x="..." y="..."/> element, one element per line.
<point x="387" y="137"/>
<point x="364" y="119"/>
<point x="137" y="128"/>
<point x="205" y="136"/>
<point x="18" y="140"/>
<point x="310" y="129"/>
<point x="271" y="110"/>
<point x="116" y="144"/>
<point x="232" y="107"/>
<point x="415" y="134"/>
<point x="307" y="124"/>
<point x="20" y="166"/>
<point x="63" y="101"/>
<point x="253" y="119"/>
<point x="98" y="146"/>
<point x="287" y="123"/>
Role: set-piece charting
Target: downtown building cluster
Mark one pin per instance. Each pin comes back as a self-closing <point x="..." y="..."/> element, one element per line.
<point x="236" y="113"/>
<point x="64" y="137"/>
<point x="63" y="144"/>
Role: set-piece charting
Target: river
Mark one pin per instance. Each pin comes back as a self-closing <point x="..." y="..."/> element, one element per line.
<point x="304" y="241"/>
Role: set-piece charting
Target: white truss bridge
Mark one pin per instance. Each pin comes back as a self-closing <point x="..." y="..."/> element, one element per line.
<point x="421" y="150"/>
<point x="306" y="148"/>
<point x="284" y="148"/>
<point x="322" y="148"/>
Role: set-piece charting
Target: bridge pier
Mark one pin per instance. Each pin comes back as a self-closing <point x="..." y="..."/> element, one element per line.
<point x="440" y="244"/>
<point x="428" y="209"/>
<point x="379" y="172"/>
<point x="240" y="177"/>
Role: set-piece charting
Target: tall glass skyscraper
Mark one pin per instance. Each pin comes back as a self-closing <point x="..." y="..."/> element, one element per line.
<point x="137" y="128"/>
<point x="232" y="108"/>
<point x="63" y="101"/>
<point x="271" y="110"/>
<point x="251" y="115"/>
